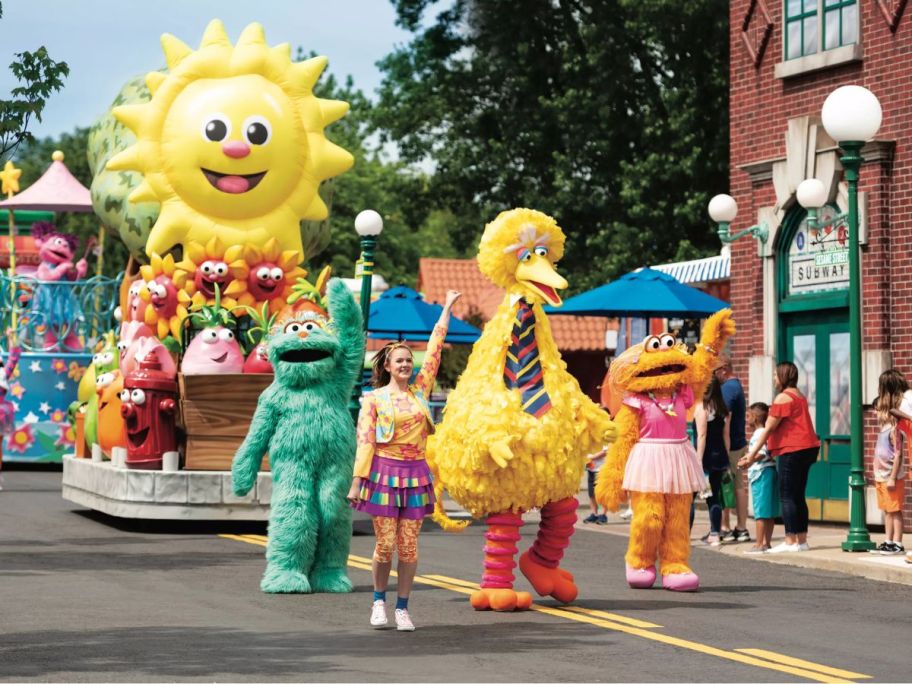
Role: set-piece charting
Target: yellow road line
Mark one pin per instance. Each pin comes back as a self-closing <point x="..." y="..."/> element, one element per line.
<point x="623" y="619"/>
<point x="806" y="664"/>
<point x="773" y="661"/>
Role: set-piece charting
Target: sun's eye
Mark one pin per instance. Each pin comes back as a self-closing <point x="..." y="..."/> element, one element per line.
<point x="294" y="327"/>
<point x="263" y="273"/>
<point x="210" y="335"/>
<point x="541" y="250"/>
<point x="257" y="130"/>
<point x="277" y="274"/>
<point x="138" y="397"/>
<point x="216" y="127"/>
<point x="667" y="341"/>
<point x="226" y="334"/>
<point x="652" y="344"/>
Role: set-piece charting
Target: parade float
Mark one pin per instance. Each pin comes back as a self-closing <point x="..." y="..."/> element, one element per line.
<point x="54" y="314"/>
<point x="209" y="171"/>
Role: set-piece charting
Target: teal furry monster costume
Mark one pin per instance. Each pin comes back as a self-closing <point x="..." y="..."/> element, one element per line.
<point x="302" y="421"/>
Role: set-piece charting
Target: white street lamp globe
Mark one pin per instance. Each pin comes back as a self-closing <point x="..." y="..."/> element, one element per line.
<point x="368" y="222"/>
<point x="811" y="194"/>
<point x="851" y="113"/>
<point x="723" y="208"/>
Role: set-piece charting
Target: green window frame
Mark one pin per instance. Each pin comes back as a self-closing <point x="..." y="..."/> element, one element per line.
<point x="840" y="23"/>
<point x="813" y="26"/>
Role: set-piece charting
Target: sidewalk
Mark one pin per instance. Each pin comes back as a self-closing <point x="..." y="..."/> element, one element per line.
<point x="825" y="553"/>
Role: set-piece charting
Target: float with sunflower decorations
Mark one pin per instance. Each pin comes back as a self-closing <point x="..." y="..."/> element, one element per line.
<point x="210" y="171"/>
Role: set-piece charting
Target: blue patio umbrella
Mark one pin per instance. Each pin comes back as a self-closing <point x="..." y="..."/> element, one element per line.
<point x="645" y="293"/>
<point x="400" y="313"/>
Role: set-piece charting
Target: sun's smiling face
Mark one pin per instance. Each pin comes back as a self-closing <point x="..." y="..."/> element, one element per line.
<point x="226" y="143"/>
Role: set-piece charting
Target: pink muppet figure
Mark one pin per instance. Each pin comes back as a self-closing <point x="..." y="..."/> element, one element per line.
<point x="215" y="348"/>
<point x="55" y="307"/>
<point x="131" y="333"/>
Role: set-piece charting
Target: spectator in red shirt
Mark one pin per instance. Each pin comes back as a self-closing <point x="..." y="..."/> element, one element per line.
<point x="790" y="437"/>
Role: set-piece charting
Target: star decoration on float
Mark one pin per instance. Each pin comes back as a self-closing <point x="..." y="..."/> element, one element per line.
<point x="231" y="142"/>
<point x="30" y="419"/>
<point x="9" y="179"/>
<point x="45" y="408"/>
<point x="60" y="386"/>
<point x="35" y="366"/>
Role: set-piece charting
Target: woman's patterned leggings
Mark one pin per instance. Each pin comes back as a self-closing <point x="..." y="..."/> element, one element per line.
<point x="399" y="533"/>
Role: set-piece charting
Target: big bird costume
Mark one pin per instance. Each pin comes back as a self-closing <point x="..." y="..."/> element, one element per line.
<point x="657" y="382"/>
<point x="517" y="426"/>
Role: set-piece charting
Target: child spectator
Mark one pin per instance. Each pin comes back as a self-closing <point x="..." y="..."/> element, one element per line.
<point x="763" y="482"/>
<point x="893" y="403"/>
<point x="592" y="467"/>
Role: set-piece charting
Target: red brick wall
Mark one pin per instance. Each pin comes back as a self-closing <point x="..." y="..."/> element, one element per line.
<point x="760" y="107"/>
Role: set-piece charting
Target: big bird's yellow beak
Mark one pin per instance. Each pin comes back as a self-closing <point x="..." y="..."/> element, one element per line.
<point x="538" y="276"/>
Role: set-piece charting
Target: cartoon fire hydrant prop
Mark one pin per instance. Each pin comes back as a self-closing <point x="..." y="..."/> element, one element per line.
<point x="149" y="408"/>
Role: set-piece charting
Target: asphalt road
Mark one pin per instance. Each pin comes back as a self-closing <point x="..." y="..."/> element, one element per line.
<point x="84" y="597"/>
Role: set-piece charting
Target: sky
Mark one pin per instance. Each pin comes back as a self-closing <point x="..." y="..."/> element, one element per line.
<point x="107" y="42"/>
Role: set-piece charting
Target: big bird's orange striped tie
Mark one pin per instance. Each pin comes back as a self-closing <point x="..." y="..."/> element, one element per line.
<point x="523" y="369"/>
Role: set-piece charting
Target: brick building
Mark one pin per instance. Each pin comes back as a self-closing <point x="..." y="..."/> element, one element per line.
<point x="786" y="56"/>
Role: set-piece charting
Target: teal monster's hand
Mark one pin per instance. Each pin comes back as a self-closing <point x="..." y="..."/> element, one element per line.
<point x="246" y="463"/>
<point x="346" y="315"/>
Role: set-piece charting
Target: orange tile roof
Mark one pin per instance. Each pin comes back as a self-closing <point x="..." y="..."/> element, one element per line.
<point x="481" y="297"/>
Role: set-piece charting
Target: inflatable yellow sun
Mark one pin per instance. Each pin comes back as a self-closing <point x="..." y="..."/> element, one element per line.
<point x="232" y="142"/>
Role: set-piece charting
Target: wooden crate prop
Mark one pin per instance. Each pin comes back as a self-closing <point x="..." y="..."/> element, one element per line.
<point x="215" y="413"/>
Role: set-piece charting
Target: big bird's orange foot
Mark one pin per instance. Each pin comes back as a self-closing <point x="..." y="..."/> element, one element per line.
<point x="548" y="581"/>
<point x="503" y="600"/>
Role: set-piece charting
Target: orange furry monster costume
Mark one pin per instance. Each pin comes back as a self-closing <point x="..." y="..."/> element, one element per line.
<point x="652" y="459"/>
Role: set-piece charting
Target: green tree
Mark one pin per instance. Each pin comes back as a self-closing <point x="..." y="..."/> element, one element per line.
<point x="39" y="76"/>
<point x="610" y="116"/>
<point x="413" y="225"/>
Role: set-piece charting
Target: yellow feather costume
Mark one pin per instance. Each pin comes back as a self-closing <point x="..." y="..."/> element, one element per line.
<point x="491" y="455"/>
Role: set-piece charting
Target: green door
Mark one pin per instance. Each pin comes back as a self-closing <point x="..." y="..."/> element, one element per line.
<point x="817" y="342"/>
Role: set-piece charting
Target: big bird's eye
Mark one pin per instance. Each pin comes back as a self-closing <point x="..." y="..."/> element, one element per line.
<point x="526" y="256"/>
<point x="216" y="127"/>
<point x="652" y="344"/>
<point x="257" y="130"/>
<point x="667" y="341"/>
<point x="541" y="250"/>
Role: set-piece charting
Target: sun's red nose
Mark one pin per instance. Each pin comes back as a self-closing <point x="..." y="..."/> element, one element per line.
<point x="236" y="149"/>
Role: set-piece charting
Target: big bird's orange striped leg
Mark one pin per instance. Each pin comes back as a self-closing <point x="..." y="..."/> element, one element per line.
<point x="539" y="564"/>
<point x="674" y="548"/>
<point x="497" y="591"/>
<point x="645" y="536"/>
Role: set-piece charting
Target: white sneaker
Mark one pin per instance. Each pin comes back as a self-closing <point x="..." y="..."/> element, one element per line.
<point x="804" y="546"/>
<point x="626" y="514"/>
<point x="403" y="621"/>
<point x="786" y="548"/>
<point x="378" y="615"/>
